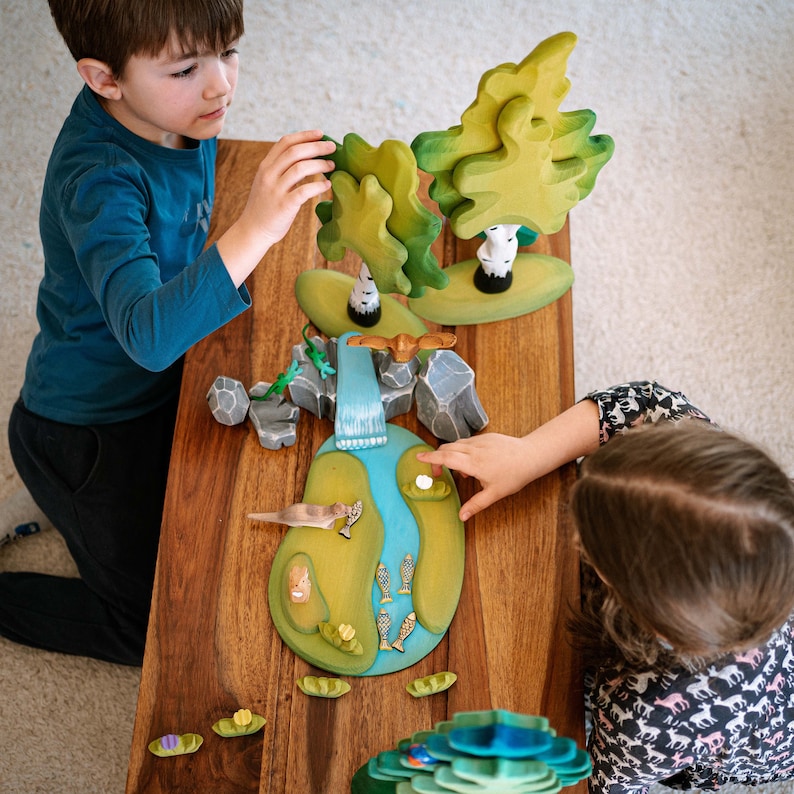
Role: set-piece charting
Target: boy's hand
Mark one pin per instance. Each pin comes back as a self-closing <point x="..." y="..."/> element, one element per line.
<point x="283" y="183"/>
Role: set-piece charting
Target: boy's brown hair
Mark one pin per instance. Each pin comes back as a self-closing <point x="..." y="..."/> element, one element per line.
<point x="692" y="532"/>
<point x="112" y="31"/>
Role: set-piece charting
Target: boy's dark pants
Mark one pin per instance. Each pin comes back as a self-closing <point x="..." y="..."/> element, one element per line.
<point x="102" y="486"/>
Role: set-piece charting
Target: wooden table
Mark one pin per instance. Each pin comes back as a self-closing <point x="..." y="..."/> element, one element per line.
<point x="212" y="647"/>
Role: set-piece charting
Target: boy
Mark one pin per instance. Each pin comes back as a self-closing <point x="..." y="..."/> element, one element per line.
<point x="127" y="289"/>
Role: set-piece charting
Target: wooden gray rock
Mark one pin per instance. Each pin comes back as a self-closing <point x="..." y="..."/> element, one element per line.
<point x="395" y="374"/>
<point x="275" y="419"/>
<point x="396" y="401"/>
<point x="309" y="390"/>
<point x="228" y="400"/>
<point x="446" y="401"/>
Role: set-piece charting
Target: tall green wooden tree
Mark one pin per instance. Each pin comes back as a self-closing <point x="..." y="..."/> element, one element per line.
<point x="515" y="158"/>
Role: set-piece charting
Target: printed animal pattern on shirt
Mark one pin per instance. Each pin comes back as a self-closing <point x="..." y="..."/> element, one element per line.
<point x="638" y="402"/>
<point x="726" y="721"/>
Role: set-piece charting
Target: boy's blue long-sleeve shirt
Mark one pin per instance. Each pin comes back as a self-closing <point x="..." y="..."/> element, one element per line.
<point x="127" y="285"/>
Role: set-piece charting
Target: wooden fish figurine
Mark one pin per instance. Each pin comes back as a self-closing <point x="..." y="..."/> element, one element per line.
<point x="354" y="513"/>
<point x="383" y="622"/>
<point x="407" y="627"/>
<point x="407" y="574"/>
<point x="383" y="579"/>
<point x="307" y="515"/>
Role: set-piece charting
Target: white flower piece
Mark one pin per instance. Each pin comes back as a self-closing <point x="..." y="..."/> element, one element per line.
<point x="424" y="482"/>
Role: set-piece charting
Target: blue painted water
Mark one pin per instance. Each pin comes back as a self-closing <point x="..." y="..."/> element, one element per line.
<point x="401" y="537"/>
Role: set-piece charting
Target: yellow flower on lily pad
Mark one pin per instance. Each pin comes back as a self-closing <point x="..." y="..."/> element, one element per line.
<point x="242" y="717"/>
<point x="346" y="632"/>
<point x="422" y="492"/>
<point x="173" y="744"/>
<point x="342" y="636"/>
<point x="242" y="723"/>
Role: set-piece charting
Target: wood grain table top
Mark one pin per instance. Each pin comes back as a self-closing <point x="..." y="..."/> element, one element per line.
<point x="212" y="647"/>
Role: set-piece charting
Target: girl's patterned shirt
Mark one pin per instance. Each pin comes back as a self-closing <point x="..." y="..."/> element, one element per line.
<point x="726" y="721"/>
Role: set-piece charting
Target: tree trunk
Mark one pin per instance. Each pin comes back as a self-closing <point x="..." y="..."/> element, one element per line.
<point x="363" y="306"/>
<point x="496" y="255"/>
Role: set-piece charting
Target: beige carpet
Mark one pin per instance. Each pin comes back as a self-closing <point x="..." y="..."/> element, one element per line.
<point x="683" y="253"/>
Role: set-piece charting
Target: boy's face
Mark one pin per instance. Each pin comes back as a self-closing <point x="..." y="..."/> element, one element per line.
<point x="177" y="94"/>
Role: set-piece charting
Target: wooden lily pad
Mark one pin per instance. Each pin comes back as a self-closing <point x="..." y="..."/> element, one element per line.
<point x="228" y="728"/>
<point x="186" y="743"/>
<point x="322" y="687"/>
<point x="323" y="296"/>
<point x="538" y="280"/>
<point x="431" y="684"/>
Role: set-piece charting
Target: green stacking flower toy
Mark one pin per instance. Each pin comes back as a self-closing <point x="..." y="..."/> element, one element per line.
<point x="477" y="751"/>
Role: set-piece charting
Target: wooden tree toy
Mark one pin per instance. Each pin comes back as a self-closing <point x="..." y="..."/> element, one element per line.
<point x="375" y="213"/>
<point x="514" y="161"/>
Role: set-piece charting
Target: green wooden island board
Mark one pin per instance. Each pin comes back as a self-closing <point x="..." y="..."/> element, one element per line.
<point x="381" y="599"/>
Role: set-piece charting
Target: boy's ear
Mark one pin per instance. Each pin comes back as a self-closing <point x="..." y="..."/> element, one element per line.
<point x="99" y="78"/>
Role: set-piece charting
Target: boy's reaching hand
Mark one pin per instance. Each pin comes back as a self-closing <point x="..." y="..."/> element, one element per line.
<point x="283" y="183"/>
<point x="280" y="187"/>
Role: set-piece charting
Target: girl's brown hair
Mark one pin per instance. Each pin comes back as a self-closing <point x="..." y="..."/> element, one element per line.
<point x="112" y="31"/>
<point x="692" y="532"/>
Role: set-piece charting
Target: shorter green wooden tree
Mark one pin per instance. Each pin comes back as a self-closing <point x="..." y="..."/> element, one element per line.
<point x="376" y="212"/>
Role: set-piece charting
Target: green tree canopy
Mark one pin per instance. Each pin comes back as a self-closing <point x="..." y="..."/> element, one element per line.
<point x="515" y="158"/>
<point x="376" y="212"/>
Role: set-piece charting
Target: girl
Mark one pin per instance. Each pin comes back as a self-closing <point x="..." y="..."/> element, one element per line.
<point x="688" y="533"/>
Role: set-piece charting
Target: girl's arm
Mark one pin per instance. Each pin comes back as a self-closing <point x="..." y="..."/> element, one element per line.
<point x="505" y="464"/>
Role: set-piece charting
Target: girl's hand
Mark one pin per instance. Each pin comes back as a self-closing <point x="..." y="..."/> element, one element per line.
<point x="499" y="462"/>
<point x="505" y="464"/>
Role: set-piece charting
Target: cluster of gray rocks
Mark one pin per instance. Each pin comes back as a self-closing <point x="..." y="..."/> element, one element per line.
<point x="442" y="388"/>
